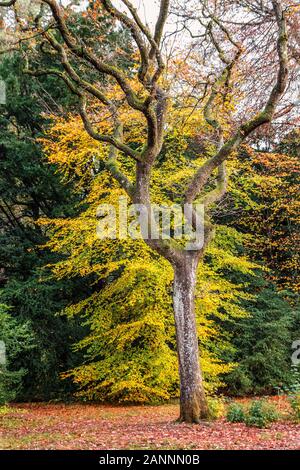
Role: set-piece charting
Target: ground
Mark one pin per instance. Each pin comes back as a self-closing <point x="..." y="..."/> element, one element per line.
<point x="89" y="427"/>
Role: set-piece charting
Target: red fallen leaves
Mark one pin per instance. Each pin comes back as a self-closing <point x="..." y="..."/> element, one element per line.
<point x="43" y="426"/>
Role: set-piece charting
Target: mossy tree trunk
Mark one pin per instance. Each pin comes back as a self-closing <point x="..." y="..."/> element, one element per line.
<point x="193" y="403"/>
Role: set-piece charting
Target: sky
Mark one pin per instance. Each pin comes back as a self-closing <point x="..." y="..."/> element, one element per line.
<point x="147" y="8"/>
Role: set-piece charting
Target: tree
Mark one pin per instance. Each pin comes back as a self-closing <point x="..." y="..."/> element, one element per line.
<point x="262" y="342"/>
<point x="130" y="345"/>
<point x="31" y="188"/>
<point x="262" y="203"/>
<point x="143" y="92"/>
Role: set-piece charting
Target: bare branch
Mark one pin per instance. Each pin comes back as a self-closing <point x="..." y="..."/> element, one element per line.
<point x="263" y="117"/>
<point x="82" y="52"/>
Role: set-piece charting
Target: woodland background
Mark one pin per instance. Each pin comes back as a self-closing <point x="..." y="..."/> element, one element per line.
<point x="92" y="320"/>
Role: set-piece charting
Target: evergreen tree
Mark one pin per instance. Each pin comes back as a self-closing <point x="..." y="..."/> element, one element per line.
<point x="262" y="203"/>
<point x="263" y="342"/>
<point x="29" y="189"/>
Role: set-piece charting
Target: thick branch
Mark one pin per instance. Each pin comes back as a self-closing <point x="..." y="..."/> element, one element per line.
<point x="214" y="196"/>
<point x="155" y="51"/>
<point x="9" y="3"/>
<point x="92" y="89"/>
<point x="135" y="31"/>
<point x="159" y="27"/>
<point x="102" y="137"/>
<point x="112" y="164"/>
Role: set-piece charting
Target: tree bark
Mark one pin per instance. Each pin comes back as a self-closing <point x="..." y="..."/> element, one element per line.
<point x="193" y="403"/>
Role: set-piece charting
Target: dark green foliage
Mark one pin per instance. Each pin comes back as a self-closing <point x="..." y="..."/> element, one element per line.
<point x="260" y="414"/>
<point x="294" y="385"/>
<point x="53" y="336"/>
<point x="262" y="343"/>
<point x="235" y="413"/>
<point x="295" y="405"/>
<point x="30" y="189"/>
<point x="263" y="187"/>
<point x="16" y="341"/>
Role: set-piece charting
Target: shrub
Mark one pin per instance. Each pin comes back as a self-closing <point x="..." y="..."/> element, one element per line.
<point x="295" y="405"/>
<point x="235" y="413"/>
<point x="292" y="390"/>
<point x="216" y="407"/>
<point x="293" y="387"/>
<point x="9" y="384"/>
<point x="260" y="414"/>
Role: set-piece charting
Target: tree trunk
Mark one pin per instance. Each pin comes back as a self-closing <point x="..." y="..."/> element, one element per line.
<point x="193" y="404"/>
